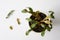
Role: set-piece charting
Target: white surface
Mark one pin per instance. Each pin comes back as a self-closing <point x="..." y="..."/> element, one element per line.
<point x="18" y="32"/>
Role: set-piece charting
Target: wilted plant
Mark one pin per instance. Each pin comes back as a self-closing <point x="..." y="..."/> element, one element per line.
<point x="38" y="21"/>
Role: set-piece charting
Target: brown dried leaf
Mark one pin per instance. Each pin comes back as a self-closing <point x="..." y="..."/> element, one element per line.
<point x="18" y="20"/>
<point x="11" y="27"/>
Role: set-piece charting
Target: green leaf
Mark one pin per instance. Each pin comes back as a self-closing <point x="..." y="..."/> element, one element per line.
<point x="42" y="33"/>
<point x="52" y="16"/>
<point x="24" y="11"/>
<point x="29" y="19"/>
<point x="43" y="25"/>
<point x="31" y="10"/>
<point x="34" y="24"/>
<point x="27" y="33"/>
<point x="48" y="28"/>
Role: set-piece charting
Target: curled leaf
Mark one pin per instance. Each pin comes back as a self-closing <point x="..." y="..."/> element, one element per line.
<point x="52" y="16"/>
<point x="31" y="10"/>
<point x="24" y="11"/>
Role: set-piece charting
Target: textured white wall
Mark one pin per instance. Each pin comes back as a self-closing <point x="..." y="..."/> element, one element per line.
<point x="18" y="32"/>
